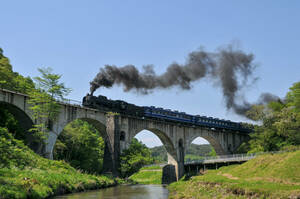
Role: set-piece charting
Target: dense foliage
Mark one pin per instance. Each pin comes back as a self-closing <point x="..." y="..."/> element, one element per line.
<point x="194" y="152"/>
<point x="7" y="120"/>
<point x="134" y="158"/>
<point x="24" y="174"/>
<point x="159" y="154"/>
<point x="280" y="121"/>
<point x="81" y="145"/>
<point x="12" y="80"/>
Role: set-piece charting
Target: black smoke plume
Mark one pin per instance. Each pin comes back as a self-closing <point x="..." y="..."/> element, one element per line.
<point x="230" y="68"/>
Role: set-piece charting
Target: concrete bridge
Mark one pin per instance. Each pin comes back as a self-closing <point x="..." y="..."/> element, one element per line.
<point x="119" y="130"/>
<point x="218" y="161"/>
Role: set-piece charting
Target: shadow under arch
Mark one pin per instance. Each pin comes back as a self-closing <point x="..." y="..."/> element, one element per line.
<point x="97" y="124"/>
<point x="212" y="141"/>
<point x="166" y="141"/>
<point x="24" y="121"/>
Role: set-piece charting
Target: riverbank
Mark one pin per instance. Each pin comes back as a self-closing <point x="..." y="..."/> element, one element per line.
<point x="267" y="176"/>
<point x="24" y="174"/>
<point x="148" y="175"/>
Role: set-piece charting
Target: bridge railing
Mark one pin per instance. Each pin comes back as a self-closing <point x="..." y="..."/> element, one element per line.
<point x="64" y="101"/>
<point x="69" y="101"/>
<point x="160" y="165"/>
<point x="231" y="157"/>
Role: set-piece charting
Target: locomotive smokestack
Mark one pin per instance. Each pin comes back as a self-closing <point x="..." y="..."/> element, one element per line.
<point x="228" y="67"/>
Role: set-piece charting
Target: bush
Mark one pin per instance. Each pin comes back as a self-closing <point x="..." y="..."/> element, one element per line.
<point x="134" y="158"/>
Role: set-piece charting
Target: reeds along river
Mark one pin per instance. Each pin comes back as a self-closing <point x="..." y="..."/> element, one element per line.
<point x="123" y="192"/>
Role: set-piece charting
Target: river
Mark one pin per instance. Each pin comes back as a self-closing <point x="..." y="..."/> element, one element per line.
<point x="123" y="192"/>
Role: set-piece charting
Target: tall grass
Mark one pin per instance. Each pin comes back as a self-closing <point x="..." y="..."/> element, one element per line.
<point x="24" y="174"/>
<point x="148" y="175"/>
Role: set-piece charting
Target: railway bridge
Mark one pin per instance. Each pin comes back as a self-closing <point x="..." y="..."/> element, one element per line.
<point x="119" y="130"/>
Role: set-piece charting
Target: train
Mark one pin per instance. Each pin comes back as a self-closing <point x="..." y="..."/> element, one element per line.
<point x="103" y="103"/>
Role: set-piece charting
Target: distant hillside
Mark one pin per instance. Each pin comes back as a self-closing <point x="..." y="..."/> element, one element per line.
<point x="194" y="152"/>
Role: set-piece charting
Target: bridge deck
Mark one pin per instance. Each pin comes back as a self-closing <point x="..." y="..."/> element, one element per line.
<point x="223" y="159"/>
<point x="228" y="158"/>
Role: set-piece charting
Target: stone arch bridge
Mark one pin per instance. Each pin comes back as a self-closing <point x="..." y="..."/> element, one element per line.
<point x="119" y="130"/>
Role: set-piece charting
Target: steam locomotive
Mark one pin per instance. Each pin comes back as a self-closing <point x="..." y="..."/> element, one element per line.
<point x="122" y="107"/>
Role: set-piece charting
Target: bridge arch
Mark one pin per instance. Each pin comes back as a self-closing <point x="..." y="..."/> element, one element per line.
<point x="98" y="161"/>
<point x="58" y="129"/>
<point x="21" y="116"/>
<point x="214" y="142"/>
<point x="164" y="138"/>
<point x="24" y="122"/>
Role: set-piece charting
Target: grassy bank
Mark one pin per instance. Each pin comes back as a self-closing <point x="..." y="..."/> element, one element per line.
<point x="24" y="174"/>
<point x="148" y="175"/>
<point x="267" y="176"/>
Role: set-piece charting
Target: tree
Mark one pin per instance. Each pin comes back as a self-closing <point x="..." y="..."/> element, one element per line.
<point x="134" y="158"/>
<point x="44" y="106"/>
<point x="81" y="145"/>
<point x="12" y="80"/>
<point x="280" y="123"/>
<point x="293" y="97"/>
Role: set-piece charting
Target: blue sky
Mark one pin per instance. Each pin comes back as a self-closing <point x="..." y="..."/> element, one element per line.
<point x="76" y="38"/>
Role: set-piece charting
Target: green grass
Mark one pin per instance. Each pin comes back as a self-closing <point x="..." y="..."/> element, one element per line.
<point x="154" y="167"/>
<point x="24" y="174"/>
<point x="148" y="175"/>
<point x="191" y="157"/>
<point x="267" y="176"/>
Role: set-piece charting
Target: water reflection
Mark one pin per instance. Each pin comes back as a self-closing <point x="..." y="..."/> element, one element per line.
<point x="123" y="192"/>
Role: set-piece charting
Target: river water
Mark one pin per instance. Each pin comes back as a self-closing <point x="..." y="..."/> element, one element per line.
<point x="123" y="192"/>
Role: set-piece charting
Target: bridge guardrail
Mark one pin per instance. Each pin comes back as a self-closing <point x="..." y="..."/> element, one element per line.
<point x="65" y="101"/>
<point x="161" y="165"/>
<point x="70" y="101"/>
<point x="232" y="157"/>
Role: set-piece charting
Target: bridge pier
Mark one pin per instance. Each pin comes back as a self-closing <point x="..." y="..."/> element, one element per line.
<point x="111" y="162"/>
<point x="48" y="152"/>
